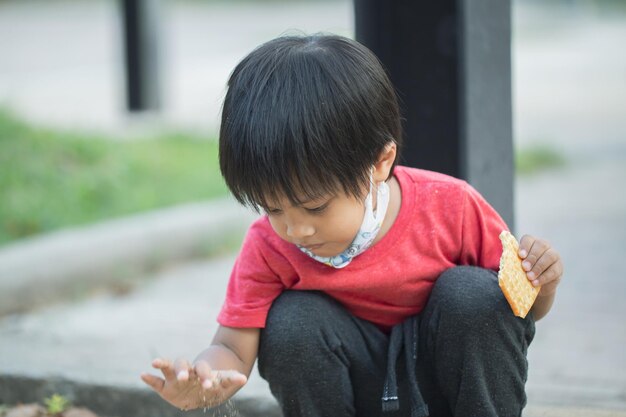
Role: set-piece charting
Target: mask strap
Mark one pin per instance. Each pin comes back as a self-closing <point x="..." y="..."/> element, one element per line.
<point x="371" y="194"/>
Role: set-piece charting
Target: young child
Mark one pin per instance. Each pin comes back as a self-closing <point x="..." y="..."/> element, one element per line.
<point x="368" y="288"/>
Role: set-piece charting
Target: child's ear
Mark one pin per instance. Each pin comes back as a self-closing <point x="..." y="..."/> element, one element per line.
<point x="382" y="169"/>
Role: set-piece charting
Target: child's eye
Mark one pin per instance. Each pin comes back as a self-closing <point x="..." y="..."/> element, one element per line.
<point x="319" y="209"/>
<point x="273" y="211"/>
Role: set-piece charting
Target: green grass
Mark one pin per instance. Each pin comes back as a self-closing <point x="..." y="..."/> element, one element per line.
<point x="537" y="158"/>
<point x="51" y="179"/>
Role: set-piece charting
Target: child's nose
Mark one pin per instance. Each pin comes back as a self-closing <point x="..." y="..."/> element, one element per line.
<point x="299" y="230"/>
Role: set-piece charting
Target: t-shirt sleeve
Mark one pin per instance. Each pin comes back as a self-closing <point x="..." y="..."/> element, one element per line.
<point x="480" y="232"/>
<point x="252" y="287"/>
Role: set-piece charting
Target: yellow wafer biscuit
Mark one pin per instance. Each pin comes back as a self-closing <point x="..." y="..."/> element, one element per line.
<point x="512" y="278"/>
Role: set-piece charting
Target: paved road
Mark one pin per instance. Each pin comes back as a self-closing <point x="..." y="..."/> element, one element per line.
<point x="570" y="88"/>
<point x="578" y="355"/>
<point x="61" y="63"/>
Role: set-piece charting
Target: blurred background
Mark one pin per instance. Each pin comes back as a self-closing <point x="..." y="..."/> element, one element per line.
<point x="73" y="158"/>
<point x="63" y="92"/>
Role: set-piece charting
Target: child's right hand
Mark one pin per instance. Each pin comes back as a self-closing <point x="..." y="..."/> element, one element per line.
<point x="188" y="387"/>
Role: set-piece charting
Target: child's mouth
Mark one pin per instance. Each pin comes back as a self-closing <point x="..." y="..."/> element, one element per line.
<point x="313" y="247"/>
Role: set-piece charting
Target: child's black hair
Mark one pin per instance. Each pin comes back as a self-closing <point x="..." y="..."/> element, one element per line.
<point x="305" y="117"/>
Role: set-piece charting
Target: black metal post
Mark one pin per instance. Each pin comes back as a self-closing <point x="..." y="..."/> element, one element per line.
<point x="450" y="62"/>
<point x="141" y="31"/>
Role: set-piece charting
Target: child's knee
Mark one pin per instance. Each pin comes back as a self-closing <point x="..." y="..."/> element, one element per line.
<point x="471" y="295"/>
<point x="468" y="307"/>
<point x="293" y="325"/>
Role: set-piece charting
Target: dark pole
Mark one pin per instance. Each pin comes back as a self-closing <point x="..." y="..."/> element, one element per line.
<point x="141" y="29"/>
<point x="450" y="62"/>
<point x="486" y="102"/>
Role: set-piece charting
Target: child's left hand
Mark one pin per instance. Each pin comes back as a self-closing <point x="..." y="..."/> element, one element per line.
<point x="542" y="264"/>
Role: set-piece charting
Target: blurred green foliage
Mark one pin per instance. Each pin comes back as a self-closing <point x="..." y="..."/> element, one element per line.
<point x="536" y="158"/>
<point x="51" y="179"/>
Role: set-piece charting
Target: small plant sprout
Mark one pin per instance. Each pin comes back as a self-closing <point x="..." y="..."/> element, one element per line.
<point x="56" y="404"/>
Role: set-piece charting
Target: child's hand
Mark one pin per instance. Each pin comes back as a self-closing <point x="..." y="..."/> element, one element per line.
<point x="188" y="387"/>
<point x="542" y="264"/>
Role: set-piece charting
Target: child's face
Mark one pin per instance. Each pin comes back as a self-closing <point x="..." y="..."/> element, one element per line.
<point x="326" y="226"/>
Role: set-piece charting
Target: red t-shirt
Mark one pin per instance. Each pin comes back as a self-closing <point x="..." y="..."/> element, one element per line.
<point x="442" y="222"/>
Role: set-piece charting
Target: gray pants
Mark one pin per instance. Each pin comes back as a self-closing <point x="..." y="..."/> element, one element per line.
<point x="321" y="361"/>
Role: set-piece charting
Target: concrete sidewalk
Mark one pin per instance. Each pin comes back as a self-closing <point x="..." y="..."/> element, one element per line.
<point x="108" y="341"/>
<point x="76" y="261"/>
<point x="578" y="358"/>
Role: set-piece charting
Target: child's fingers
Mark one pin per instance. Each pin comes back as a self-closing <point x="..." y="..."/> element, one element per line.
<point x="525" y="243"/>
<point x="536" y="251"/>
<point x="552" y="274"/>
<point x="182" y="369"/>
<point x="549" y="257"/>
<point x="211" y="379"/>
<point x="205" y="373"/>
<point x="153" y="381"/>
<point x="214" y="380"/>
<point x="231" y="378"/>
<point x="165" y="366"/>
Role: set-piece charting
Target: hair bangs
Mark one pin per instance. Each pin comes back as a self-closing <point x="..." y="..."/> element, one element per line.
<point x="283" y="157"/>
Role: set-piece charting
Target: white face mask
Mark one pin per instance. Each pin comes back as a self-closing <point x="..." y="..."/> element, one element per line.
<point x="372" y="221"/>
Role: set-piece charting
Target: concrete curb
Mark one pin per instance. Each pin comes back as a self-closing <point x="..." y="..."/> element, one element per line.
<point x="72" y="261"/>
<point x="109" y="401"/>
